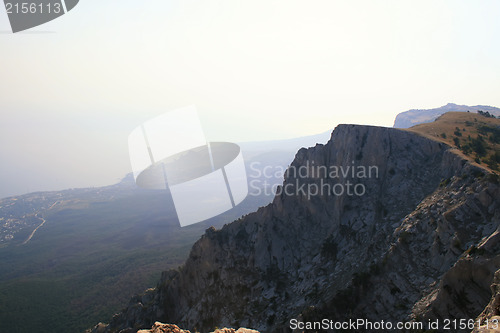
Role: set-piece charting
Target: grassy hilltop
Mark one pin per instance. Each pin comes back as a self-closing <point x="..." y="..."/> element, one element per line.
<point x="476" y="135"/>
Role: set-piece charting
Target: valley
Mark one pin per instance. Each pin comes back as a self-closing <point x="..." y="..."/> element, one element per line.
<point x="78" y="255"/>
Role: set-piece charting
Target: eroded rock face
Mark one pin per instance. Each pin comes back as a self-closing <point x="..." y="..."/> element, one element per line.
<point x="490" y="317"/>
<point x="418" y="243"/>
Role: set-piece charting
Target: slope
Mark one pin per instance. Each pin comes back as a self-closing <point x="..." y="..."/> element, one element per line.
<point x="475" y="135"/>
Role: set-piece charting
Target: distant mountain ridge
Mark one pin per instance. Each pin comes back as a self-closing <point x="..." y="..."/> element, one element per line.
<point x="414" y="117"/>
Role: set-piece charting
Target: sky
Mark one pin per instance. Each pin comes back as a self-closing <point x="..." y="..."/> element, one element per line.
<point x="72" y="90"/>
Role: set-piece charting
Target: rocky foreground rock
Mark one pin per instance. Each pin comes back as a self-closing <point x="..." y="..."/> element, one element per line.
<point x="420" y="244"/>
<point x="170" y="328"/>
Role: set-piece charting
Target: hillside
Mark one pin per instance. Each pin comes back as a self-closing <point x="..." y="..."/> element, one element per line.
<point x="74" y="257"/>
<point x="475" y="135"/>
<point x="96" y="248"/>
<point x="419" y="243"/>
<point x="411" y="118"/>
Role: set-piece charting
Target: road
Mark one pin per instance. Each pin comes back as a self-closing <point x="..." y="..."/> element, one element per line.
<point x="33" y="232"/>
<point x="41" y="224"/>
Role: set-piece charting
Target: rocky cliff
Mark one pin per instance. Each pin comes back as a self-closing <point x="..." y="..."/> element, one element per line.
<point x="409" y="235"/>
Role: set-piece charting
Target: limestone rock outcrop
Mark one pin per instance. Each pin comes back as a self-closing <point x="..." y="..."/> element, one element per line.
<point x="411" y="239"/>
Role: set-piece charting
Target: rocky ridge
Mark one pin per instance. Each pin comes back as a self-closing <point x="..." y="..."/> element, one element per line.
<point x="414" y="117"/>
<point x="420" y="243"/>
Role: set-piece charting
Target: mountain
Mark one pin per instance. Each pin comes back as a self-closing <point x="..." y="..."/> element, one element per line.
<point x="406" y="230"/>
<point x="74" y="257"/>
<point x="411" y="118"/>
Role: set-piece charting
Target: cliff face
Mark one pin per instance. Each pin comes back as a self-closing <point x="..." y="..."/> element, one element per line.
<point x="492" y="311"/>
<point x="416" y="239"/>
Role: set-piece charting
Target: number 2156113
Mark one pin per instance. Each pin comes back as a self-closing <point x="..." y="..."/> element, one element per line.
<point x="33" y="8"/>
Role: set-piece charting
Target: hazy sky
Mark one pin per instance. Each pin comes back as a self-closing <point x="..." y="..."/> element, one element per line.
<point x="72" y="90"/>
